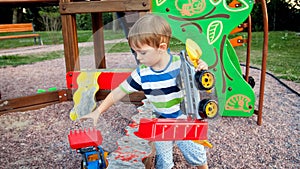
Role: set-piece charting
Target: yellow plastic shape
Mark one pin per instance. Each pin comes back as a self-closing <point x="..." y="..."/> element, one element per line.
<point x="194" y="51"/>
<point x="84" y="96"/>
<point x="205" y="143"/>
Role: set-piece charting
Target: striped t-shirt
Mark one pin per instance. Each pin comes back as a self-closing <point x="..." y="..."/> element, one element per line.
<point x="160" y="87"/>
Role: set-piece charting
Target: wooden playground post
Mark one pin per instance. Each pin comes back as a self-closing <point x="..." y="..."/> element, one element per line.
<point x="69" y="32"/>
<point x="69" y="9"/>
<point x="247" y="72"/>
<point x="264" y="62"/>
<point x="98" y="36"/>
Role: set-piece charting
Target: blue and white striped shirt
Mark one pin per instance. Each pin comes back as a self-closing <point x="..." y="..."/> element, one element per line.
<point x="160" y="87"/>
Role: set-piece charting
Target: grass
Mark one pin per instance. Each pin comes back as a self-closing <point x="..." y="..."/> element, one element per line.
<point x="283" y="54"/>
<point x="16" y="60"/>
<point x="50" y="38"/>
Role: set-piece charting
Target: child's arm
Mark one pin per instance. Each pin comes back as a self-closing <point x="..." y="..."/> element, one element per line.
<point x="201" y="65"/>
<point x="113" y="97"/>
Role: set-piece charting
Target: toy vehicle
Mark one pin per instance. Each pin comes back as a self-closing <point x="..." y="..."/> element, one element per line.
<point x="87" y="143"/>
<point x="194" y="82"/>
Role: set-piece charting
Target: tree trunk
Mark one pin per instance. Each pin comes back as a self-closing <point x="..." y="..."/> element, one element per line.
<point x="115" y="22"/>
<point x="15" y="15"/>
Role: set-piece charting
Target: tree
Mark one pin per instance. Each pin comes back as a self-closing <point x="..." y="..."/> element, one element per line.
<point x="283" y="15"/>
<point x="50" y="17"/>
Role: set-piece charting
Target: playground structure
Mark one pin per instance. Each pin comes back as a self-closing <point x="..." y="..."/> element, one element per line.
<point x="69" y="9"/>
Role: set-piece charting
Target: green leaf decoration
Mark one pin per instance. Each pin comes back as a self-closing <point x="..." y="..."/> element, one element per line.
<point x="214" y="31"/>
<point x="160" y="2"/>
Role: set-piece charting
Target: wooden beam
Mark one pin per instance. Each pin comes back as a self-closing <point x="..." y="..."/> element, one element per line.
<point x="34" y="102"/>
<point x="98" y="35"/>
<point x="104" y="6"/>
<point x="29" y="1"/>
<point x="48" y="98"/>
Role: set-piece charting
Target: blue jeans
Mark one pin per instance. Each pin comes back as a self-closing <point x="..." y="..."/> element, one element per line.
<point x="193" y="153"/>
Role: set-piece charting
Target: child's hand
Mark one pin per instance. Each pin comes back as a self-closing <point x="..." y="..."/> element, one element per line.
<point x="201" y="65"/>
<point x="93" y="115"/>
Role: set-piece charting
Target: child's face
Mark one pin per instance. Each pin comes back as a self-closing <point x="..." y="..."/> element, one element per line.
<point x="148" y="55"/>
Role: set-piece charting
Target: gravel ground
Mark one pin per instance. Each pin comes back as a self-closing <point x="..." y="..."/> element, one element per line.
<point x="38" y="139"/>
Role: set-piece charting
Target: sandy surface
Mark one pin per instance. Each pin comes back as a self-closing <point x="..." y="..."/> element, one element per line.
<point x="38" y="139"/>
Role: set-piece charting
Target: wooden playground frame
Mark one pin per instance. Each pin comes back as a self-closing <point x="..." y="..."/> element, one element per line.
<point x="68" y="10"/>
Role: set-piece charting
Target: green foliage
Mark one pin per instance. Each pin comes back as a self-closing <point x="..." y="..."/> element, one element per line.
<point x="257" y="18"/>
<point x="51" y="18"/>
<point x="282" y="15"/>
<point x="6" y="15"/>
<point x="107" y="18"/>
<point x="84" y="21"/>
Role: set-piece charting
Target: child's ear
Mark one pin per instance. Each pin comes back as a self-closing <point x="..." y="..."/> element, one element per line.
<point x="163" y="46"/>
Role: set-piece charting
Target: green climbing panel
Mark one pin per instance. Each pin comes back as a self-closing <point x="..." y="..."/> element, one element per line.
<point x="208" y="23"/>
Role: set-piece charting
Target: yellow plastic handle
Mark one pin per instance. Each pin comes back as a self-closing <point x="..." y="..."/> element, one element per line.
<point x="194" y="51"/>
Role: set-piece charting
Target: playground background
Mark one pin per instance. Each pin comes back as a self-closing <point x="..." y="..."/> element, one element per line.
<point x="283" y="52"/>
<point x="38" y="139"/>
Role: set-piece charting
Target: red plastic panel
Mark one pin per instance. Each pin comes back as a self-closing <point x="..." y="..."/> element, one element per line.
<point x="106" y="80"/>
<point x="111" y="80"/>
<point x="84" y="138"/>
<point x="172" y="129"/>
<point x="71" y="78"/>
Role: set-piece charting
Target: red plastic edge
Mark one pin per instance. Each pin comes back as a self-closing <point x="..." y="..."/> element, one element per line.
<point x="84" y="138"/>
<point x="172" y="129"/>
<point x="106" y="80"/>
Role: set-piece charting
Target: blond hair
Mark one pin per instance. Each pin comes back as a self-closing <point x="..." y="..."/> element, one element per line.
<point x="151" y="30"/>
